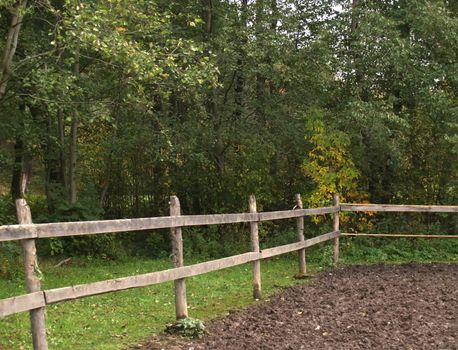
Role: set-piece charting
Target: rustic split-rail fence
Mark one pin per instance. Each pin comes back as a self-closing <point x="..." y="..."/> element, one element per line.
<point x="37" y="299"/>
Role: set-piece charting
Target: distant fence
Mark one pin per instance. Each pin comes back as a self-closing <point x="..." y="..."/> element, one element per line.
<point x="37" y="299"/>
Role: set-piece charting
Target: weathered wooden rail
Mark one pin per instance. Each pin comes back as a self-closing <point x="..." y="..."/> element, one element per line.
<point x="64" y="229"/>
<point x="400" y="208"/>
<point x="396" y="208"/>
<point x="37" y="299"/>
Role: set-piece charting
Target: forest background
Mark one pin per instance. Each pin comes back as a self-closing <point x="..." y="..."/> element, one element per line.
<point x="109" y="107"/>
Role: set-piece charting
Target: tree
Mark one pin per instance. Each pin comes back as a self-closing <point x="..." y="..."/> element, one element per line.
<point x="329" y="163"/>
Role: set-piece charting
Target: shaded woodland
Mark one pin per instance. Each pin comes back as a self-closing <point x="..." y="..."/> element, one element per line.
<point x="109" y="107"/>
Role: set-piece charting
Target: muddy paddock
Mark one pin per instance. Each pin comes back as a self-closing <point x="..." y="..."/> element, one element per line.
<point x="361" y="307"/>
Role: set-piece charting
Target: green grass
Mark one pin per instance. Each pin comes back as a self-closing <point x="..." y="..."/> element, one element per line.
<point x="116" y="320"/>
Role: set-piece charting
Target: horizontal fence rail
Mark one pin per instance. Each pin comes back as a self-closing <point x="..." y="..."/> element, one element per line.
<point x="400" y="208"/>
<point x="78" y="228"/>
<point x="22" y="303"/>
<point x="31" y="301"/>
<point x="394" y="235"/>
<point x="288" y="248"/>
<point x="85" y="290"/>
<point x="35" y="300"/>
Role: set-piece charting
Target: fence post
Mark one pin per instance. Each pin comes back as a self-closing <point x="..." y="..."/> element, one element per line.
<point x="181" y="306"/>
<point x="37" y="316"/>
<point x="257" y="294"/>
<point x="336" y="202"/>
<point x="300" y="238"/>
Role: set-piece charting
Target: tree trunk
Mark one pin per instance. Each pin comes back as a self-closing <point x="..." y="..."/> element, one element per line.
<point x="240" y="77"/>
<point x="52" y="149"/>
<point x="17" y="169"/>
<point x="22" y="166"/>
<point x="262" y="24"/>
<point x="274" y="20"/>
<point x="260" y="79"/>
<point x="354" y="20"/>
<point x="73" y="157"/>
<point x="11" y="45"/>
<point x="74" y="137"/>
<point x="219" y="148"/>
<point x="62" y="161"/>
<point x="209" y="16"/>
<point x="22" y="170"/>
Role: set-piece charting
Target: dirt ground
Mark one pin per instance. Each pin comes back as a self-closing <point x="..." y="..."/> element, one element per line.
<point x="361" y="307"/>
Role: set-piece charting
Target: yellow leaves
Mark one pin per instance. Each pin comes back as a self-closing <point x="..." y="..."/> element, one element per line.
<point x="329" y="164"/>
<point x="121" y="29"/>
<point x="279" y="67"/>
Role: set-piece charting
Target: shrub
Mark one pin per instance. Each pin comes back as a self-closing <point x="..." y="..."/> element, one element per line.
<point x="187" y="327"/>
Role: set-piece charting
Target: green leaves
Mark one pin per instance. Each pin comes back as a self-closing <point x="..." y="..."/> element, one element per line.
<point x="187" y="327"/>
<point x="329" y="163"/>
<point x="211" y="100"/>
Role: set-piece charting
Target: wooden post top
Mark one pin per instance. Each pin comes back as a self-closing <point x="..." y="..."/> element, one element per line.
<point x="252" y="203"/>
<point x="24" y="215"/>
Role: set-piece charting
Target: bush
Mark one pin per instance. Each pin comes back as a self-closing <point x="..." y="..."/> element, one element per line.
<point x="186" y="327"/>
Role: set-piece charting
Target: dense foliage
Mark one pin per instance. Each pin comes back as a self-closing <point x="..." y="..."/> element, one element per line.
<point x="109" y="107"/>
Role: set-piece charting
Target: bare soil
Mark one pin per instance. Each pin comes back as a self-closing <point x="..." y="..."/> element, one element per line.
<point x="361" y="307"/>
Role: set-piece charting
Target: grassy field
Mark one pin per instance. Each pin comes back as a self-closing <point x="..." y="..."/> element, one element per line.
<point x="115" y="320"/>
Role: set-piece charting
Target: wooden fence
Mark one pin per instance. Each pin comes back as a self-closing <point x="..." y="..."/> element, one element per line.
<point x="36" y="299"/>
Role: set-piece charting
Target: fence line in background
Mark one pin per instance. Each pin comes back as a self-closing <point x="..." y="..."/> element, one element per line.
<point x="394" y="235"/>
<point x="36" y="299"/>
<point x="400" y="208"/>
